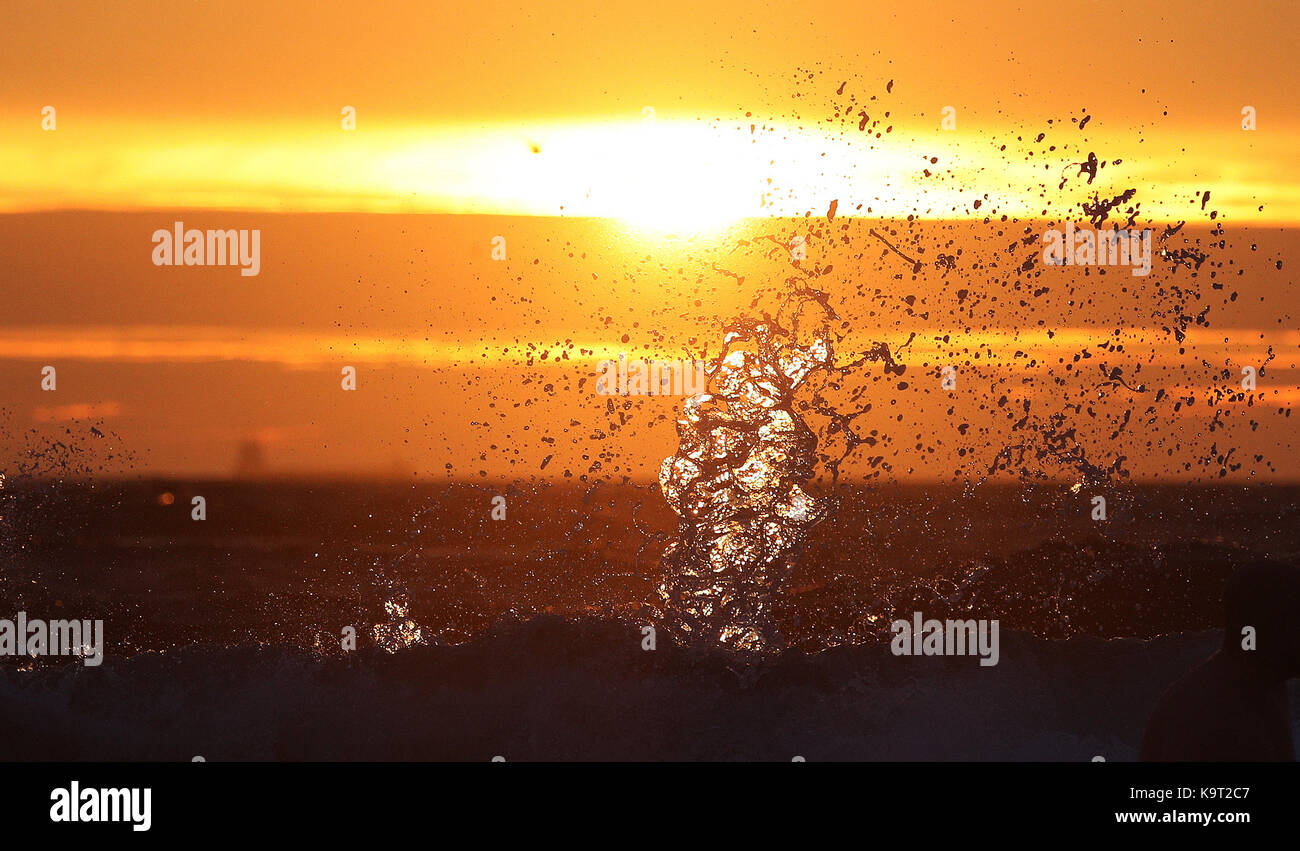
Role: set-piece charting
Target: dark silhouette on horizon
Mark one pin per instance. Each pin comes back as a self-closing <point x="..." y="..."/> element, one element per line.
<point x="1233" y="707"/>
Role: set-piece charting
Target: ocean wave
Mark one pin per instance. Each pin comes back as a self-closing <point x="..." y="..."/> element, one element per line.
<point x="552" y="688"/>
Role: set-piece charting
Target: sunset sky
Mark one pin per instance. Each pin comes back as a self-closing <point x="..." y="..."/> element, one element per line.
<point x="655" y="130"/>
<point x="238" y="105"/>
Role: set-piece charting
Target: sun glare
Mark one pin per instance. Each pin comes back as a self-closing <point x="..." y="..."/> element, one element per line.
<point x="669" y="176"/>
<point x="663" y="179"/>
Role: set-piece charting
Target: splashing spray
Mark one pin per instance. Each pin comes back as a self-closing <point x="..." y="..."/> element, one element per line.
<point x="739" y="483"/>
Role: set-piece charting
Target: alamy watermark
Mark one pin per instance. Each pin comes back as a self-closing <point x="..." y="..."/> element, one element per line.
<point x="194" y="247"/>
<point x="35" y="637"/>
<point x="1105" y="247"/>
<point x="633" y="377"/>
<point x="93" y="804"/>
<point x="946" y="638"/>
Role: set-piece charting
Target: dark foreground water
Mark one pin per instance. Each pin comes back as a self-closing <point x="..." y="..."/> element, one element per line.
<point x="557" y="689"/>
<point x="522" y="637"/>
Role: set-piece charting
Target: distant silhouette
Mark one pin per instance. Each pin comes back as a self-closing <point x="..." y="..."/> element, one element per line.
<point x="250" y="463"/>
<point x="1233" y="706"/>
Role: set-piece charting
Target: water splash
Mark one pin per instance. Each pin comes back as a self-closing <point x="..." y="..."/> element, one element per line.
<point x="400" y="631"/>
<point x="739" y="483"/>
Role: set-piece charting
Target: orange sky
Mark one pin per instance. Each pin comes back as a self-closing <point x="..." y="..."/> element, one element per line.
<point x="229" y="115"/>
<point x="237" y="105"/>
<point x="254" y="62"/>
